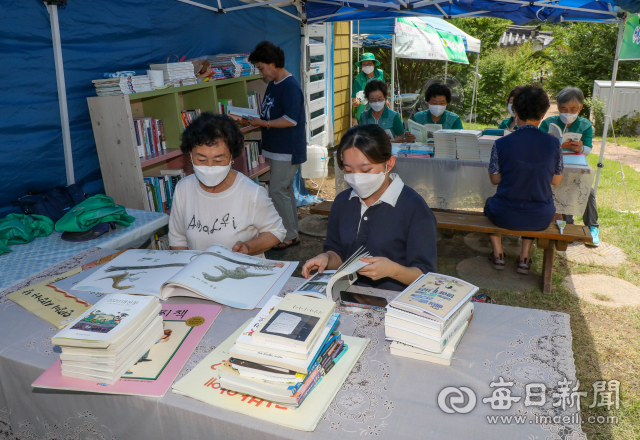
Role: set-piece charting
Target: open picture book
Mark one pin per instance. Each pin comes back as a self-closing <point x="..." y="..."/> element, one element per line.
<point x="217" y="274"/>
<point x="564" y="136"/>
<point x="329" y="284"/>
<point x="423" y="133"/>
<point x="240" y="112"/>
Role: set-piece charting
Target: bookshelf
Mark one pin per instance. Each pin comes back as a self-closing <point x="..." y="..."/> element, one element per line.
<point x="112" y="121"/>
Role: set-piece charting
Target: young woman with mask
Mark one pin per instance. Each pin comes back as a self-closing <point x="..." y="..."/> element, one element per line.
<point x="570" y="102"/>
<point x="217" y="205"/>
<point x="438" y="96"/>
<point x="510" y="122"/>
<point x="379" y="212"/>
<point x="380" y="114"/>
<point x="368" y="72"/>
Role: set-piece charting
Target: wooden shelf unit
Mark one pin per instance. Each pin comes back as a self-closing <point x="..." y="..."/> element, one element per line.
<point x="112" y="121"/>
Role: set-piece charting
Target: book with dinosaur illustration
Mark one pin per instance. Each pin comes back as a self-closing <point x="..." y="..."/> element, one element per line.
<point x="217" y="274"/>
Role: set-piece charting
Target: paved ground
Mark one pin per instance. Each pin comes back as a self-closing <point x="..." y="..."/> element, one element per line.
<point x="603" y="290"/>
<point x="626" y="155"/>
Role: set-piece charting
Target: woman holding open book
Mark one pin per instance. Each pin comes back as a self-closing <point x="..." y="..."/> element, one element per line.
<point x="379" y="212"/>
<point x="217" y="205"/>
<point x="438" y="96"/>
<point x="524" y="165"/>
<point x="570" y="103"/>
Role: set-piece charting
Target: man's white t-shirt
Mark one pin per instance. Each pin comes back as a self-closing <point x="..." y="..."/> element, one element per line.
<point x="200" y="219"/>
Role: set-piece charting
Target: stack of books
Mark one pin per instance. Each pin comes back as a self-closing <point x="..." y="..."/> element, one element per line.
<point x="467" y="145"/>
<point x="178" y="74"/>
<point x="445" y="144"/>
<point x="188" y="116"/>
<point x="253" y="155"/>
<point x="141" y="83"/>
<point x="217" y="73"/>
<point x="485" y="144"/>
<point x="150" y="137"/>
<point x="428" y="319"/>
<point x="160" y="189"/>
<point x="285" y="351"/>
<point x="236" y="64"/>
<point x="417" y="150"/>
<point x="123" y="85"/>
<point x="108" y="339"/>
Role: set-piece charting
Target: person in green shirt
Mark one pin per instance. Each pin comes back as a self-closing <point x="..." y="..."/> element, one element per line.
<point x="380" y="114"/>
<point x="368" y="72"/>
<point x="570" y="101"/>
<point x="510" y="123"/>
<point x="438" y="97"/>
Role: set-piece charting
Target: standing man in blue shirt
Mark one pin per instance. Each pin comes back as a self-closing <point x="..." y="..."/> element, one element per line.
<point x="284" y="141"/>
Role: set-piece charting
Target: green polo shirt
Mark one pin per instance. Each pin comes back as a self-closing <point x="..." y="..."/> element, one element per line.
<point x="389" y="120"/>
<point x="580" y="125"/>
<point x="449" y="120"/>
<point x="504" y="125"/>
<point x="359" y="83"/>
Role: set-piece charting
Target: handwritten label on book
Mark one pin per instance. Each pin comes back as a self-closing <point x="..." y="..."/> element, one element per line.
<point x="284" y="324"/>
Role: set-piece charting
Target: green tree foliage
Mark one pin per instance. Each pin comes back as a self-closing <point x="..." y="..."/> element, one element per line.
<point x="487" y="30"/>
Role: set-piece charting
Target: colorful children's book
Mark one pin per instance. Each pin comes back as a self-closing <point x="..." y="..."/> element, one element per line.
<point x="202" y="384"/>
<point x="153" y="374"/>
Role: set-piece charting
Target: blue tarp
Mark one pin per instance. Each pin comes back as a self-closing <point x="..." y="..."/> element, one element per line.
<point x="516" y="12"/>
<point x="102" y="36"/>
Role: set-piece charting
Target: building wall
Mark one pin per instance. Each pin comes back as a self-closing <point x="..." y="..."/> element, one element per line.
<point x="342" y="108"/>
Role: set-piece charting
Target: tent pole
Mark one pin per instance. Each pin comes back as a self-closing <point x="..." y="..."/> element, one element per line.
<point x="446" y="65"/>
<point x="350" y="73"/>
<point x="610" y="103"/>
<point x="393" y="71"/>
<point x="62" y="93"/>
<point x="475" y="82"/>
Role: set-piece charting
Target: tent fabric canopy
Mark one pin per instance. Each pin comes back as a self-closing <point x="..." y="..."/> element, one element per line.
<point x="518" y="11"/>
<point x="382" y="28"/>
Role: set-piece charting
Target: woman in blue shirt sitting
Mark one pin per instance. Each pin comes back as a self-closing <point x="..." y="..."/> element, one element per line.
<point x="381" y="213"/>
<point x="438" y="96"/>
<point x="524" y="165"/>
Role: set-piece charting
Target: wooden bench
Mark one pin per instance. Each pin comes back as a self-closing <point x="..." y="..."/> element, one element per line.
<point x="550" y="239"/>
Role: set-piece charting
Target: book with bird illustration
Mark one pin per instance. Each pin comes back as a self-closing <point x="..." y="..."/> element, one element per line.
<point x="217" y="274"/>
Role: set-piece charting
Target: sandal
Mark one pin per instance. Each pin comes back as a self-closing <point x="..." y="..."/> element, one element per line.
<point x="282" y="246"/>
<point x="497" y="262"/>
<point x="524" y="266"/>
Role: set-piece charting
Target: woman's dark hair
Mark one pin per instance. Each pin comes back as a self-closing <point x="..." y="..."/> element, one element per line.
<point x="370" y="139"/>
<point x="531" y="104"/>
<point x="209" y="129"/>
<point x="438" y="89"/>
<point x="374" y="85"/>
<point x="513" y="93"/>
<point x="268" y="53"/>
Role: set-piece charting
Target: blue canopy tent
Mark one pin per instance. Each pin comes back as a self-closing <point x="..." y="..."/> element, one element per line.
<point x="518" y="11"/>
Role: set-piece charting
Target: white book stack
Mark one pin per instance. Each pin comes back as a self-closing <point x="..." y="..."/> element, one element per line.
<point x="467" y="145"/>
<point x="177" y="73"/>
<point x="485" y="144"/>
<point x="445" y="144"/>
<point x="141" y="83"/>
<point x="104" y="342"/>
<point x="113" y="86"/>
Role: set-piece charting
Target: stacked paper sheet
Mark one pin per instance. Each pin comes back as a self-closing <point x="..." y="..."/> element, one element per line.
<point x="124" y="85"/>
<point x="467" y="144"/>
<point x="445" y="144"/>
<point x="177" y="73"/>
<point x="233" y="64"/>
<point x="485" y="144"/>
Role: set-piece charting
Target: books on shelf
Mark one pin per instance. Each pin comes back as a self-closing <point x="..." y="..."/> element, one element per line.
<point x="467" y="145"/>
<point x="239" y="112"/>
<point x="160" y="190"/>
<point x="485" y="144"/>
<point x="188" y="116"/>
<point x="445" y="144"/>
<point x="255" y="101"/>
<point x="233" y="64"/>
<point x="330" y="283"/>
<point x="253" y="155"/>
<point x="217" y="274"/>
<point x="150" y="137"/>
<point x="273" y="399"/>
<point x="179" y="74"/>
<point x="154" y="371"/>
<point x="223" y="105"/>
<point x="124" y="85"/>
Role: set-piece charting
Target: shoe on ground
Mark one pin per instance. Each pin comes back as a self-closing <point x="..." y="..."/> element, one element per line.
<point x="497" y="262"/>
<point x="524" y="266"/>
<point x="595" y="235"/>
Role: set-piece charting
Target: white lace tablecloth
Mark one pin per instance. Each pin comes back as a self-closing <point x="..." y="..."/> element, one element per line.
<point x="28" y="259"/>
<point x="385" y="396"/>
<point x="457" y="184"/>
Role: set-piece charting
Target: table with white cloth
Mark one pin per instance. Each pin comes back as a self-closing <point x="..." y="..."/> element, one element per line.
<point x="385" y="396"/>
<point x="458" y="184"/>
<point x="26" y="260"/>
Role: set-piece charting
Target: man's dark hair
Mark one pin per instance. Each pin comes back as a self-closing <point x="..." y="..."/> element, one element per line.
<point x="531" y="104"/>
<point x="268" y="53"/>
<point x="374" y="85"/>
<point x="209" y="129"/>
<point x="438" y="89"/>
<point x="370" y="139"/>
<point x="513" y="93"/>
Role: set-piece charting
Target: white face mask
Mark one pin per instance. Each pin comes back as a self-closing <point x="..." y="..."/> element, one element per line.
<point x="367" y="69"/>
<point x="568" y="118"/>
<point x="511" y="110"/>
<point x="365" y="184"/>
<point x="437" y="110"/>
<point x="211" y="176"/>
<point x="377" y="106"/>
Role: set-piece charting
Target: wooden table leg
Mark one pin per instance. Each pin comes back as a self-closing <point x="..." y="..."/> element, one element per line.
<point x="547" y="266"/>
